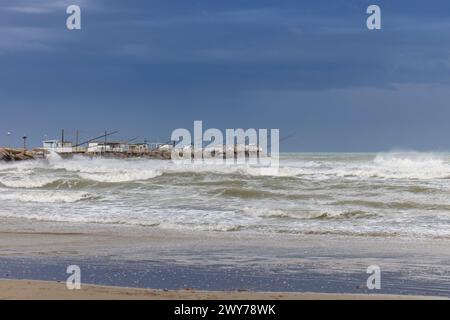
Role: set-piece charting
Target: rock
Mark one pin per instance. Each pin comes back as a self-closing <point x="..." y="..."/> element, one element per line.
<point x="10" y="154"/>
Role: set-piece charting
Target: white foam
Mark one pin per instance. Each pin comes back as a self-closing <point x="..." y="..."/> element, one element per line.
<point x="47" y="196"/>
<point x="110" y="170"/>
<point x="342" y="184"/>
<point x="26" y="181"/>
<point x="122" y="176"/>
<point x="412" y="166"/>
<point x="394" y="165"/>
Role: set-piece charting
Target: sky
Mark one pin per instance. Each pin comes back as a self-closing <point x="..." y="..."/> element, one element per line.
<point x="309" y="68"/>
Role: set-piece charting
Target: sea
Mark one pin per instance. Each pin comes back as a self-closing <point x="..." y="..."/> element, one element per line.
<point x="392" y="194"/>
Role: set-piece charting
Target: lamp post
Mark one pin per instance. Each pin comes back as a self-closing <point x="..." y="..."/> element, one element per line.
<point x="9" y="139"/>
<point x="24" y="142"/>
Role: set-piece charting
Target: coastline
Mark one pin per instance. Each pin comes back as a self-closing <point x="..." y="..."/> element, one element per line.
<point x="46" y="290"/>
<point x="191" y="264"/>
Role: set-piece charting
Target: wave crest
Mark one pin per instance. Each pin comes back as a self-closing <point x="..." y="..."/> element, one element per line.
<point x="48" y="196"/>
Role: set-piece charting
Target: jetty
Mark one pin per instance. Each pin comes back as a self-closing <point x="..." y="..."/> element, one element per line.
<point x="101" y="147"/>
<point x="14" y="154"/>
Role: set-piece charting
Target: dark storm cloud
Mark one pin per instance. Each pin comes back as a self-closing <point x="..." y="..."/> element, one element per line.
<point x="191" y="57"/>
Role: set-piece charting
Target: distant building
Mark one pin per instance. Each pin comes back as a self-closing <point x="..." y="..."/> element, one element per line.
<point x="138" y="148"/>
<point x="165" y="147"/>
<point x="57" y="146"/>
<point x="99" y="147"/>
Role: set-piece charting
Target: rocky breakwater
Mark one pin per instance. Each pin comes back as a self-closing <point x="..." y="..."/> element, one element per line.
<point x="11" y="154"/>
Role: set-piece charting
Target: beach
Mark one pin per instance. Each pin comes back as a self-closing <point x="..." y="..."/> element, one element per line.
<point x="243" y="265"/>
<point x="29" y="290"/>
<point x="310" y="232"/>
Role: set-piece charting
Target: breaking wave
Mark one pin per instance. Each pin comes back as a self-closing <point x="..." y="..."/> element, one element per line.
<point x="401" y="193"/>
<point x="26" y="181"/>
<point x="48" y="196"/>
<point x="124" y="176"/>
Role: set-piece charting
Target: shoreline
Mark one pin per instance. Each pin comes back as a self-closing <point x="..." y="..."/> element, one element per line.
<point x="48" y="290"/>
<point x="140" y="257"/>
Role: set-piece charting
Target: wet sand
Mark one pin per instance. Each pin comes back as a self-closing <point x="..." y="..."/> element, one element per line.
<point x="205" y="263"/>
<point x="44" y="290"/>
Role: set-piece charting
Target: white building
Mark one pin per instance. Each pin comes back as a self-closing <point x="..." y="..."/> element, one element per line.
<point x="138" y="147"/>
<point x="99" y="147"/>
<point x="57" y="146"/>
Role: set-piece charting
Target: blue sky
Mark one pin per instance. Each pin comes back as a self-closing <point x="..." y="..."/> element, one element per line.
<point x="307" y="67"/>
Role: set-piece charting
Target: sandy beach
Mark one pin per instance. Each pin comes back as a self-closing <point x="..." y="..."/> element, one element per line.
<point x="44" y="290"/>
<point x="149" y="263"/>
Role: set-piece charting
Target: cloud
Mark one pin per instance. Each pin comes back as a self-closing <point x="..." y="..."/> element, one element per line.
<point x="26" y="39"/>
<point x="46" y="6"/>
<point x="31" y="10"/>
<point x="256" y="46"/>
